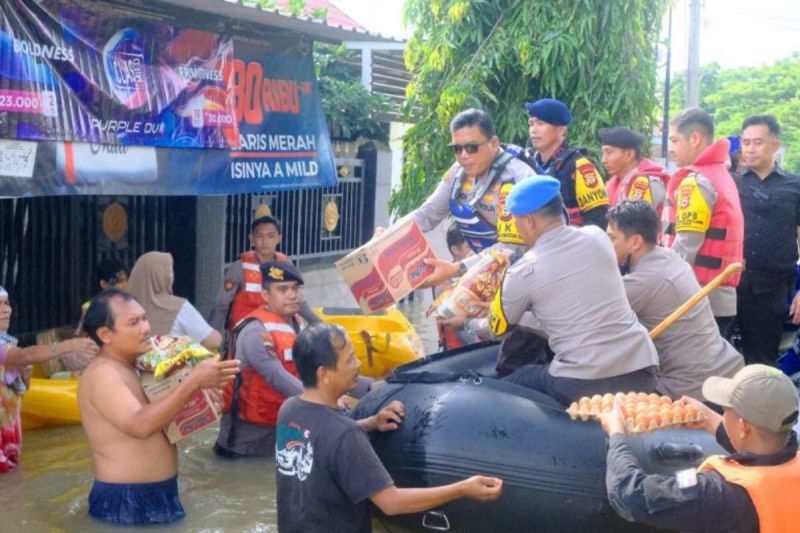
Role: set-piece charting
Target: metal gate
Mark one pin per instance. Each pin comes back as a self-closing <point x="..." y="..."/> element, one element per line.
<point x="49" y="247"/>
<point x="315" y="223"/>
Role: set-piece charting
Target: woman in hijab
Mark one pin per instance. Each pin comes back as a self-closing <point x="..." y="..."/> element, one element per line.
<point x="14" y="373"/>
<point x="150" y="283"/>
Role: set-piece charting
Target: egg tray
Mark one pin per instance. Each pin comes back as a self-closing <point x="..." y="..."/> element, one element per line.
<point x="642" y="411"/>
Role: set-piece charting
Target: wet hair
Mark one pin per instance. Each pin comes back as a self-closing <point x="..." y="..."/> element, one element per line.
<point x="763" y="120"/>
<point x="454" y="236"/>
<point x="266" y="219"/>
<point x="693" y="120"/>
<point x="635" y="217"/>
<point x="99" y="314"/>
<point x="474" y="117"/>
<point x="317" y="346"/>
<point x="108" y="269"/>
<point x="554" y="208"/>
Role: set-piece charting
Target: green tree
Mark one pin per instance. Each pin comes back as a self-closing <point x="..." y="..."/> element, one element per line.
<point x="597" y="56"/>
<point x="349" y="107"/>
<point x="731" y="95"/>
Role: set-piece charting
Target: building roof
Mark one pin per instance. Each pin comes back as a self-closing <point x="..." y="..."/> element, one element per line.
<point x="337" y="27"/>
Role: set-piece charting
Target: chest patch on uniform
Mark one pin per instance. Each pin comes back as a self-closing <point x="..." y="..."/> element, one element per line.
<point x="590" y="191"/>
<point x="229" y="285"/>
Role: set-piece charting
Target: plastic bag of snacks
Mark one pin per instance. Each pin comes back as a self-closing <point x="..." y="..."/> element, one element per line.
<point x="170" y="354"/>
<point x="642" y="411"/>
<point x="477" y="286"/>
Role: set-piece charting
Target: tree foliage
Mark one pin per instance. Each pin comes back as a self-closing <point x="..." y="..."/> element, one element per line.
<point x="731" y="95"/>
<point x="349" y="107"/>
<point x="598" y="57"/>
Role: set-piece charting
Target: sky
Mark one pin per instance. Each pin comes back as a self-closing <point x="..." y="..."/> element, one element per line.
<point x="733" y="33"/>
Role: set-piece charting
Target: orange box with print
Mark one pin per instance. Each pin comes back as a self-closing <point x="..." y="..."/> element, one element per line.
<point x="388" y="267"/>
<point x="198" y="412"/>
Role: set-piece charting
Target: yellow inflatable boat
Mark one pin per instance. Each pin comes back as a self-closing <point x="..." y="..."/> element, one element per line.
<point x="382" y="342"/>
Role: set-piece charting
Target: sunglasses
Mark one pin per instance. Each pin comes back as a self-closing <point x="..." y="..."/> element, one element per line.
<point x="470" y="148"/>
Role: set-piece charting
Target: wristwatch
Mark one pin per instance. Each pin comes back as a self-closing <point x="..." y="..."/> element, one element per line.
<point x="462" y="269"/>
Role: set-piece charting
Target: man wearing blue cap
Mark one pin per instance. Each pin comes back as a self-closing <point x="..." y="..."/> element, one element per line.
<point x="582" y="187"/>
<point x="568" y="286"/>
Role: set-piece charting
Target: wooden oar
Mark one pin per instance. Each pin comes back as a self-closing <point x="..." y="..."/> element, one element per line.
<point x="691" y="302"/>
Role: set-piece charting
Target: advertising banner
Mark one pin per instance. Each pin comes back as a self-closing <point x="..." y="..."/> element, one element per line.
<point x="95" y="101"/>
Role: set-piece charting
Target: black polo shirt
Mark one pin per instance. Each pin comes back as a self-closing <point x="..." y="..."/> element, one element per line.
<point x="771" y="209"/>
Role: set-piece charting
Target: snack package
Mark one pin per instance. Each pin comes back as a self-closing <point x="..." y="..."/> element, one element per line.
<point x="477" y="286"/>
<point x="642" y="411"/>
<point x="170" y="354"/>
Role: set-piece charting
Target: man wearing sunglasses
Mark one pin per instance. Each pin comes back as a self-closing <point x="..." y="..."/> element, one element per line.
<point x="470" y="189"/>
<point x="770" y="199"/>
<point x="582" y="186"/>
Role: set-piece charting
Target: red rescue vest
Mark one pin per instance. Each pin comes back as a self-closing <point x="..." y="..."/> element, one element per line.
<point x="249" y="298"/>
<point x="767" y="487"/>
<point x="619" y="189"/>
<point x="258" y="403"/>
<point x="724" y="239"/>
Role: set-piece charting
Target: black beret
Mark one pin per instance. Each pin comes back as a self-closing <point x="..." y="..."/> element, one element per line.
<point x="273" y="271"/>
<point x="621" y="137"/>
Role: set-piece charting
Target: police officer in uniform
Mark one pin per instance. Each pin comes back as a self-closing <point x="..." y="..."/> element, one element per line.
<point x="470" y="189"/>
<point x="582" y="186"/>
<point x="631" y="175"/>
<point x="569" y="289"/>
<point x="703" y="220"/>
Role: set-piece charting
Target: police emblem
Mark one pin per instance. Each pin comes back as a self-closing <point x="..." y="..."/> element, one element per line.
<point x="276" y="273"/>
<point x="684" y="195"/>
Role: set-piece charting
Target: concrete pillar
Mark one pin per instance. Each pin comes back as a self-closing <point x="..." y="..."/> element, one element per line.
<point x="210" y="263"/>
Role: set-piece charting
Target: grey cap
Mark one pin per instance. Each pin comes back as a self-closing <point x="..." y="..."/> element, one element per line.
<point x="762" y="395"/>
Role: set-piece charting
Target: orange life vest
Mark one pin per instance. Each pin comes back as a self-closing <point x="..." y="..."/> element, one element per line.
<point x="767" y="487"/>
<point x="258" y="403"/>
<point x="249" y="298"/>
<point x="724" y="239"/>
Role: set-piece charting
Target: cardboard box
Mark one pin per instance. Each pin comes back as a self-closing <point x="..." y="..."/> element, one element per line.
<point x="198" y="412"/>
<point x="387" y="268"/>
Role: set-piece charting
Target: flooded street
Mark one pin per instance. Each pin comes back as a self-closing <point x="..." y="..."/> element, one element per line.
<point x="49" y="492"/>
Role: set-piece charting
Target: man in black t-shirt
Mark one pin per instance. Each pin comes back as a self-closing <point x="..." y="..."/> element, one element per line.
<point x="327" y="471"/>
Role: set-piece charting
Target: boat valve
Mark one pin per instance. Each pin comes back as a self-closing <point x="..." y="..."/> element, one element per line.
<point x="435" y="521"/>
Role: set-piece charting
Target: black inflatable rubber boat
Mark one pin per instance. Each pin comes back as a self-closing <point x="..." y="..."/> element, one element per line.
<point x="461" y="421"/>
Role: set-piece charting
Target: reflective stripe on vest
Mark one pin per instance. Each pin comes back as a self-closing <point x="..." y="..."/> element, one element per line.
<point x="258" y="402"/>
<point x="249" y="298"/>
<point x="768" y="487"/>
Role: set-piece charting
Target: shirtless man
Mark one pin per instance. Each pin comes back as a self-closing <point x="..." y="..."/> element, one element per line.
<point x="135" y="466"/>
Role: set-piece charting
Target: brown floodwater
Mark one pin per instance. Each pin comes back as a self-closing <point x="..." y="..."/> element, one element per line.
<point x="49" y="491"/>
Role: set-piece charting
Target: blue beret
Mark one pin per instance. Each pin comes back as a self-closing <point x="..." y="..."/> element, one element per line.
<point x="736" y="144"/>
<point x="550" y="110"/>
<point x="532" y="193"/>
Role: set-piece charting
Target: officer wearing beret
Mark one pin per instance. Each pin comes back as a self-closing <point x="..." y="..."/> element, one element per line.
<point x="632" y="176"/>
<point x="263" y="342"/>
<point x="568" y="287"/>
<point x="582" y="186"/>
